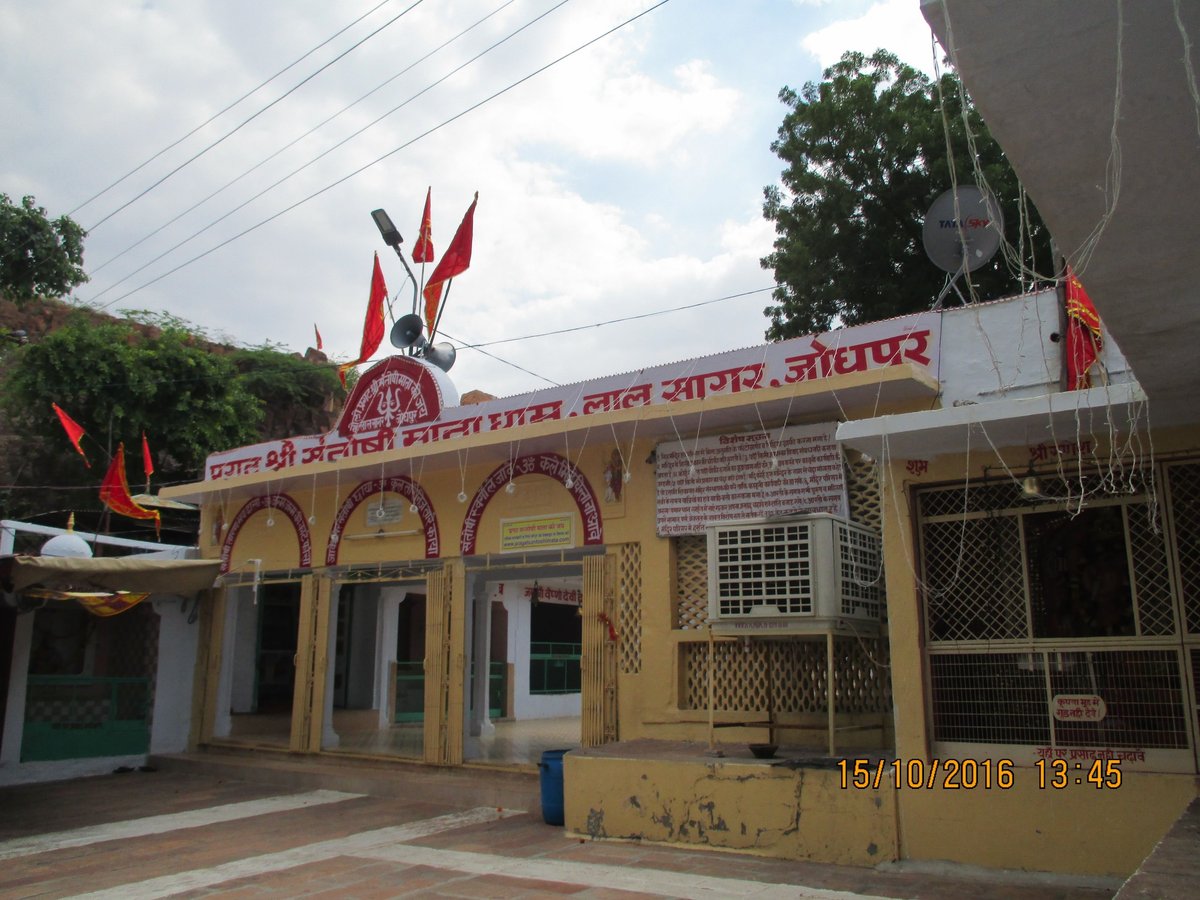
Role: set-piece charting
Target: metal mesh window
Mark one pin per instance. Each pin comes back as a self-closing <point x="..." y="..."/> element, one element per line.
<point x="990" y="698"/>
<point x="1142" y="690"/>
<point x="1052" y="575"/>
<point x="1184" y="481"/>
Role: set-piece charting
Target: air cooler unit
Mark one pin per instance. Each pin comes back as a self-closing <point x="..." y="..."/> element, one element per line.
<point x="805" y="574"/>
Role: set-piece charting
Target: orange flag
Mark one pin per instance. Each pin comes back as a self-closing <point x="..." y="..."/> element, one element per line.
<point x="147" y="459"/>
<point x="373" y="326"/>
<point x="1084" y="337"/>
<point x="74" y="431"/>
<point x="114" y="492"/>
<point x="454" y="261"/>
<point x="422" y="251"/>
<point x="317" y="332"/>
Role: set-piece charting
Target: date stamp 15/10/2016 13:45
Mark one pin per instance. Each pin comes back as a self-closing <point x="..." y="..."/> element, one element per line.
<point x="972" y="774"/>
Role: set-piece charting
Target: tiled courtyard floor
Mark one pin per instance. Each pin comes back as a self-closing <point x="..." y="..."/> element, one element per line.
<point x="159" y="834"/>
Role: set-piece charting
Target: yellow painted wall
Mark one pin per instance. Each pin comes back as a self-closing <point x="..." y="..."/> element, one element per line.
<point x="1079" y="829"/>
<point x="683" y="797"/>
<point x="629" y="519"/>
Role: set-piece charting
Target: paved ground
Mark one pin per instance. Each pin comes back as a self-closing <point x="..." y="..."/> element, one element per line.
<point x="158" y="834"/>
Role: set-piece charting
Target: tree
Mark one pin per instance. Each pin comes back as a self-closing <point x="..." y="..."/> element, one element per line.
<point x="38" y="257"/>
<point x="116" y="381"/>
<point x="866" y="153"/>
<point x="296" y="396"/>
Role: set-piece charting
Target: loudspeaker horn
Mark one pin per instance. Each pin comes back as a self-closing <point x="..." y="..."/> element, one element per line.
<point x="407" y="331"/>
<point x="441" y="355"/>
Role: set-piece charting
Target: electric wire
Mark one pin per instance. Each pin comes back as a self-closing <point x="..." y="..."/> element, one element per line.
<point x="388" y="155"/>
<point x="247" y="121"/>
<point x="295" y="141"/>
<point x="222" y="112"/>
<point x="326" y="152"/>
<point x="467" y="345"/>
<point x="505" y="361"/>
<point x="633" y="318"/>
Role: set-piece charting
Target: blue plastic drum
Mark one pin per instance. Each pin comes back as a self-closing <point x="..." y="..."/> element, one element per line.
<point x="551" y="770"/>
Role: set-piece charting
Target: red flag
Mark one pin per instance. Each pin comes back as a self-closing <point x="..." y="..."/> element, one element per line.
<point x="373" y="326"/>
<point x="1084" y="337"/>
<point x="317" y="332"/>
<point x="422" y="251"/>
<point x="147" y="459"/>
<point x="114" y="492"/>
<point x="74" y="431"/>
<point x="454" y="261"/>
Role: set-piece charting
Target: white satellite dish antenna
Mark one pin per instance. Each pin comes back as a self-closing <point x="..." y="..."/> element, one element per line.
<point x="962" y="231"/>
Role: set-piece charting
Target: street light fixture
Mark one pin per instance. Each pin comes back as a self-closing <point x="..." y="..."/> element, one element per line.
<point x="391" y="237"/>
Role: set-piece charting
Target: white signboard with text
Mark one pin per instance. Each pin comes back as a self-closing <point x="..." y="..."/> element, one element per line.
<point x="749" y="475"/>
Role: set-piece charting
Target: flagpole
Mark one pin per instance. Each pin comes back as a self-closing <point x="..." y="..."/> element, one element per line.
<point x="411" y="277"/>
<point x="441" y="309"/>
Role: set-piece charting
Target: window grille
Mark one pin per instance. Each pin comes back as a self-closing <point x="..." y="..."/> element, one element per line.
<point x="1028" y="601"/>
<point x="1006" y="698"/>
<point x="1184" y="483"/>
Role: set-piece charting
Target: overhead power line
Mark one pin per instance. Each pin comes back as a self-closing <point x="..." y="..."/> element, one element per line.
<point x="258" y="113"/>
<point x="222" y="112"/>
<point x="288" y="146"/>
<point x="387" y="155"/>
<point x="648" y="315"/>
<point x="329" y="150"/>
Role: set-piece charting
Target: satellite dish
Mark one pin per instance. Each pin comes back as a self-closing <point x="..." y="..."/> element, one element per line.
<point x="406" y="332"/>
<point x="963" y="229"/>
<point x="962" y="232"/>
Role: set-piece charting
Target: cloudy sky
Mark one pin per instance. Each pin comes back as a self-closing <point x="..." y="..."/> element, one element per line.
<point x="626" y="179"/>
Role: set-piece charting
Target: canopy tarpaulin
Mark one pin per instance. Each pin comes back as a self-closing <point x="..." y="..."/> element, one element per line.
<point x="108" y="574"/>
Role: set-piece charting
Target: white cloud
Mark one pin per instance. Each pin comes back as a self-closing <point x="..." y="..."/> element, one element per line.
<point x="625" y="180"/>
<point x="894" y="25"/>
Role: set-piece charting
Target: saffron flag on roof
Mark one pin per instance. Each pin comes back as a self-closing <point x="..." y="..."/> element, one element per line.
<point x="373" y="326"/>
<point x="1084" y="337"/>
<point x="454" y="261"/>
<point x="74" y="431"/>
<point x="317" y="332"/>
<point x="114" y="492"/>
<point x="147" y="461"/>
<point x="422" y="251"/>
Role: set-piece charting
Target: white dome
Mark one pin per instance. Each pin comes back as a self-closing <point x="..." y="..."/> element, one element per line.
<point x="69" y="544"/>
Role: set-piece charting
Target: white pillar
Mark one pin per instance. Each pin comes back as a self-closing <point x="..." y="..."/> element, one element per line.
<point x="18" y="674"/>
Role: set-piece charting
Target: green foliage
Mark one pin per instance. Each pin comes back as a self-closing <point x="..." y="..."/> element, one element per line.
<point x="295" y="394"/>
<point x="117" y="383"/>
<point x="866" y="153"/>
<point x="38" y="257"/>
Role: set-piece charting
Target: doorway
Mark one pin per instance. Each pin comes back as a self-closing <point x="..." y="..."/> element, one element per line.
<point x="377" y="676"/>
<point x="262" y="625"/>
<point x="523" y="680"/>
